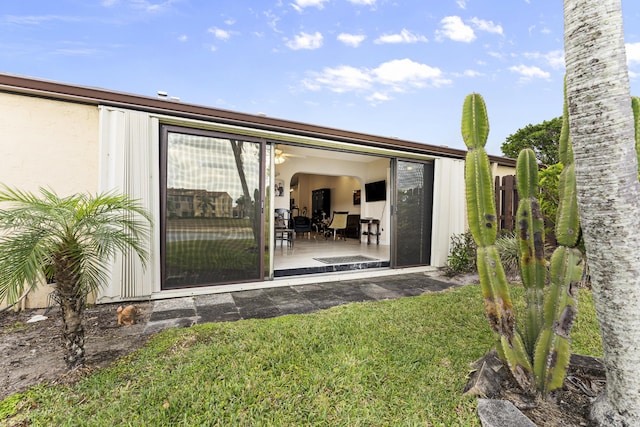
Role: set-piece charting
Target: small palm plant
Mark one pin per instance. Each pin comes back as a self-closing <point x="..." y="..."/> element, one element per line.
<point x="67" y="241"/>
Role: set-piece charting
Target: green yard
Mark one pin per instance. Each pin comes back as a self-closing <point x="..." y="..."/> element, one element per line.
<point x="392" y="363"/>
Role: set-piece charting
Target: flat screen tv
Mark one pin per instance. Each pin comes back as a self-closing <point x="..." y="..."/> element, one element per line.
<point x="375" y="191"/>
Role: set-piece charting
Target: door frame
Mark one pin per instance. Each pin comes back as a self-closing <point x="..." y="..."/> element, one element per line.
<point x="165" y="129"/>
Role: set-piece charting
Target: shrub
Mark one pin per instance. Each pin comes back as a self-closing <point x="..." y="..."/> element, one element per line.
<point x="509" y="250"/>
<point x="462" y="254"/>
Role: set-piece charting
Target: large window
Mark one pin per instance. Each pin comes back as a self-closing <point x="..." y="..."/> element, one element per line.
<point x="211" y="199"/>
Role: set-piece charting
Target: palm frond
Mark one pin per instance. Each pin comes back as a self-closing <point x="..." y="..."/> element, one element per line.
<point x="23" y="259"/>
<point x="85" y="231"/>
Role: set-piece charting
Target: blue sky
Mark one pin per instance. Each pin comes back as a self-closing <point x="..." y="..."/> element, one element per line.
<point x="386" y="67"/>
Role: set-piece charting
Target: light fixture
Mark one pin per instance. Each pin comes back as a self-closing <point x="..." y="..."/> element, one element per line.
<point x="279" y="159"/>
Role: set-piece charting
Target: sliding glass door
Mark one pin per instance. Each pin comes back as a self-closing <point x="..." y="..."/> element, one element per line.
<point x="413" y="213"/>
<point x="211" y="203"/>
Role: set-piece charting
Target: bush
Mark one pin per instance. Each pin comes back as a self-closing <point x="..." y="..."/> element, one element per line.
<point x="462" y="255"/>
<point x="509" y="250"/>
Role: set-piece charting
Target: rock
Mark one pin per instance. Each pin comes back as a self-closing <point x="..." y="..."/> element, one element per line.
<point x="487" y="377"/>
<point x="37" y="318"/>
<point x="501" y="413"/>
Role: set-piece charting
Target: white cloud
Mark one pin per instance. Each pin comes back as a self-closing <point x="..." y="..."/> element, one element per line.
<point x="75" y="52"/>
<point x="148" y="6"/>
<point x="403" y="72"/>
<point x="462" y="4"/>
<point x="183" y="38"/>
<point x="398" y="75"/>
<point x="470" y="73"/>
<point x="378" y="98"/>
<point x="341" y="79"/>
<point x="219" y="33"/>
<point x="38" y="19"/>
<point x="272" y="21"/>
<point x="145" y="5"/>
<point x="633" y="52"/>
<point x="306" y="41"/>
<point x="299" y="5"/>
<point x="363" y="2"/>
<point x="528" y="73"/>
<point x="352" y="40"/>
<point x="554" y="58"/>
<point x="487" y="26"/>
<point x="453" y="28"/>
<point x="405" y="36"/>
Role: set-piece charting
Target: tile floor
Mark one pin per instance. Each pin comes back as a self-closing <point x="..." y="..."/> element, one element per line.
<point x="304" y="250"/>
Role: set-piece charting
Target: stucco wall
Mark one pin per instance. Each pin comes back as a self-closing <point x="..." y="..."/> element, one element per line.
<point x="48" y="144"/>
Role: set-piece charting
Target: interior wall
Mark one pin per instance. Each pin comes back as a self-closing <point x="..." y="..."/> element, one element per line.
<point x="342" y="177"/>
<point x="342" y="189"/>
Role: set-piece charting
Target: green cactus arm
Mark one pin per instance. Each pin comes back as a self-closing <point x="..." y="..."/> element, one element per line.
<point x="475" y="122"/>
<point x="481" y="213"/>
<point x="565" y="270"/>
<point x="635" y="106"/>
<point x="530" y="223"/>
<point x="531" y="241"/>
<point x="481" y="209"/>
<point x="495" y="291"/>
<point x="565" y="150"/>
<point x="533" y="269"/>
<point x="552" y="357"/>
<point x="527" y="174"/>
<point x="515" y="357"/>
<point x="499" y="309"/>
<point x="553" y="348"/>
<point x="568" y="220"/>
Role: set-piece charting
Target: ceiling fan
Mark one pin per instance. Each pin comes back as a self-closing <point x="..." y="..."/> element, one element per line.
<point x="281" y="156"/>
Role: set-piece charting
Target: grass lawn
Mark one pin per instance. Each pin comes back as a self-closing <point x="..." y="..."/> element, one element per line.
<point x="391" y="363"/>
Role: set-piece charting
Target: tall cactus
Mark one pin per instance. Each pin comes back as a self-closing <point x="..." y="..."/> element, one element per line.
<point x="539" y="360"/>
<point x="553" y="349"/>
<point x="483" y="225"/>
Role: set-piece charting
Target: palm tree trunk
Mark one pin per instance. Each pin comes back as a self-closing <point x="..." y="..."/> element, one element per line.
<point x="73" y="331"/>
<point x="602" y="132"/>
<point x="72" y="300"/>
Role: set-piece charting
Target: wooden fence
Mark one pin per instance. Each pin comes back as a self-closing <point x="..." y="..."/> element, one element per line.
<point x="506" y="202"/>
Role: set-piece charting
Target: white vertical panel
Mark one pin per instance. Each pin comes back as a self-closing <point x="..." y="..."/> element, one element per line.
<point x="449" y="209"/>
<point x="128" y="164"/>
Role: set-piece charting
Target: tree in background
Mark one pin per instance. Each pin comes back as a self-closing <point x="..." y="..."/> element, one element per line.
<point x="541" y="138"/>
<point x="69" y="241"/>
<point x="603" y="136"/>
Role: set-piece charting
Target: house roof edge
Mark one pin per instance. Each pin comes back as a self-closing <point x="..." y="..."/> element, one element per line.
<point x="11" y="83"/>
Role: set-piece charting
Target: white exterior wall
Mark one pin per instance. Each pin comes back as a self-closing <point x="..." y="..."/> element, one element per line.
<point x="129" y="164"/>
<point x="72" y="148"/>
<point x="50" y="144"/>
